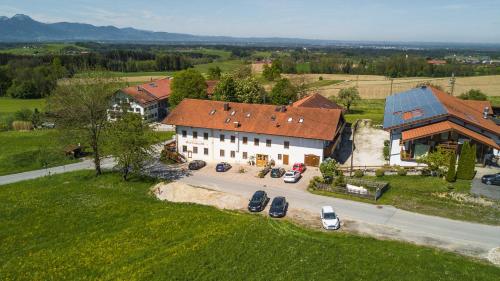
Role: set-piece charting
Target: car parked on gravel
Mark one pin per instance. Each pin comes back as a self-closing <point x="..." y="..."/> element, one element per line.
<point x="491" y="179"/>
<point x="279" y="207"/>
<point x="196" y="164"/>
<point x="292" y="177"/>
<point x="299" y="167"/>
<point x="222" y="167"/>
<point x="329" y="220"/>
<point x="277" y="172"/>
<point x="258" y="202"/>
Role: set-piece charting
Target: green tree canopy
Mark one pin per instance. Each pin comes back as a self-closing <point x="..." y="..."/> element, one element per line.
<point x="249" y="90"/>
<point x="466" y="162"/>
<point x="437" y="161"/>
<point x="80" y="108"/>
<point x="214" y="73"/>
<point x="272" y="72"/>
<point x="130" y="141"/>
<point x="348" y="97"/>
<point x="283" y="92"/>
<point x="225" y="89"/>
<point x="188" y="84"/>
<point x="473" y="94"/>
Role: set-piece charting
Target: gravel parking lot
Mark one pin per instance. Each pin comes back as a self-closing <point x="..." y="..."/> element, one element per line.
<point x="250" y="175"/>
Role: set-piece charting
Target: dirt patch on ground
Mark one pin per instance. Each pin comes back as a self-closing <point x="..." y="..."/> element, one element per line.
<point x="180" y="192"/>
<point x="369" y="145"/>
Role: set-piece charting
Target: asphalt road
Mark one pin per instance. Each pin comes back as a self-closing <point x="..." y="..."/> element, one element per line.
<point x="429" y="230"/>
<point x="83" y="165"/>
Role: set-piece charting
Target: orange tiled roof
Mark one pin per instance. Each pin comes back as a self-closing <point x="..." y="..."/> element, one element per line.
<point x="465" y="111"/>
<point x="149" y="92"/>
<point x="446" y="126"/>
<point x="316" y="100"/>
<point x="317" y="123"/>
<point x="479" y="105"/>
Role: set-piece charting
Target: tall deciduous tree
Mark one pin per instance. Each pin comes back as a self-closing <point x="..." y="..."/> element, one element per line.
<point x="283" y="92"/>
<point x="80" y="108"/>
<point x="249" y="90"/>
<point x="214" y="73"/>
<point x="188" y="84"/>
<point x="225" y="89"/>
<point x="130" y="141"/>
<point x="348" y="97"/>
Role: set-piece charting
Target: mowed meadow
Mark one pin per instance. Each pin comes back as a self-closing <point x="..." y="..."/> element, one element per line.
<point x="75" y="226"/>
<point x="379" y="87"/>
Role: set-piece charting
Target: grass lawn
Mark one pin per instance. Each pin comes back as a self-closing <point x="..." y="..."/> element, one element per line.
<point x="367" y="109"/>
<point x="322" y="83"/>
<point x="131" y="74"/>
<point x="74" y="226"/>
<point x="225" y="66"/>
<point x="42" y="49"/>
<point x="420" y="194"/>
<point x="26" y="151"/>
<point x="9" y="105"/>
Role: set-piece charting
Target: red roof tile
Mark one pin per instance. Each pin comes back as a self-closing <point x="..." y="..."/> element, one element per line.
<point x="149" y="92"/>
<point x="446" y="126"/>
<point x="465" y="111"/>
<point x="317" y="123"/>
<point x="318" y="101"/>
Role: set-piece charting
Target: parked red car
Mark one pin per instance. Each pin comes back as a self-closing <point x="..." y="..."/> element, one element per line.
<point x="299" y="167"/>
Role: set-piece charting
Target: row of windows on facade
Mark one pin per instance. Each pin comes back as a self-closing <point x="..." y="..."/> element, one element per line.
<point x="256" y="141"/>
<point x="222" y="152"/>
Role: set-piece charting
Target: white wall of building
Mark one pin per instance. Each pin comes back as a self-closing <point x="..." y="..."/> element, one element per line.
<point x="298" y="148"/>
<point x="148" y="112"/>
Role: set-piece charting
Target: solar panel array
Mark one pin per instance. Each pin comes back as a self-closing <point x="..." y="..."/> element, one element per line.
<point x="421" y="99"/>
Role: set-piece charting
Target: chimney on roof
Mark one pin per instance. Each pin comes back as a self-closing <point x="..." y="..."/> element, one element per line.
<point x="486" y="112"/>
<point x="236" y="124"/>
<point x="226" y="106"/>
<point x="283" y="108"/>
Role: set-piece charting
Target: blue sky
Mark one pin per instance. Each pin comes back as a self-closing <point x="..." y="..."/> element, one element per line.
<point x="376" y="20"/>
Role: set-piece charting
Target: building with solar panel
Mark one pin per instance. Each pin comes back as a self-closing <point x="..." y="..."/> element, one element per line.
<point x="422" y="119"/>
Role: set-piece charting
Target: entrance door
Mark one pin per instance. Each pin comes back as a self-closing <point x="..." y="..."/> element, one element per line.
<point x="285" y="159"/>
<point x="311" y="160"/>
<point x="261" y="160"/>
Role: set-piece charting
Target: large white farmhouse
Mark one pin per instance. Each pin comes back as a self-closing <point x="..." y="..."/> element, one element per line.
<point x="217" y="131"/>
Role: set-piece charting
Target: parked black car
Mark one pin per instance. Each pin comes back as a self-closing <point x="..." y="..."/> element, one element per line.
<point x="196" y="164"/>
<point x="491" y="179"/>
<point x="222" y="167"/>
<point x="277" y="172"/>
<point x="258" y="202"/>
<point x="279" y="206"/>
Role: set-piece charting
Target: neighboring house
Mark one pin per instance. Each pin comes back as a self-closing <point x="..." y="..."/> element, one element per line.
<point x="237" y="132"/>
<point x="150" y="100"/>
<point x="422" y="119"/>
<point x="318" y="101"/>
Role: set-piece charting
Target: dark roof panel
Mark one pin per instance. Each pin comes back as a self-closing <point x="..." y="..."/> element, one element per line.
<point x="410" y="106"/>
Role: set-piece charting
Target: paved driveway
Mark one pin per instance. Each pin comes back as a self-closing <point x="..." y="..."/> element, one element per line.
<point x="464" y="237"/>
<point x="479" y="188"/>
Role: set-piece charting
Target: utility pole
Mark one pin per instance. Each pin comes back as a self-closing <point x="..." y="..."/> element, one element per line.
<point x="392" y="81"/>
<point x="452" y="82"/>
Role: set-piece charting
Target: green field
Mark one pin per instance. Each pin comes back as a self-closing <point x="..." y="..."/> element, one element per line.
<point x="367" y="109"/>
<point x="322" y="83"/>
<point x="26" y="151"/>
<point x="78" y="227"/>
<point x="118" y="74"/>
<point x="44" y="49"/>
<point x="223" y="54"/>
<point x="225" y="66"/>
<point x="9" y="105"/>
<point x="419" y="194"/>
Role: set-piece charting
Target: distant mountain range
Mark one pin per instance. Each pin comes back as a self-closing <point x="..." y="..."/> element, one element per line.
<point x="22" y="28"/>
